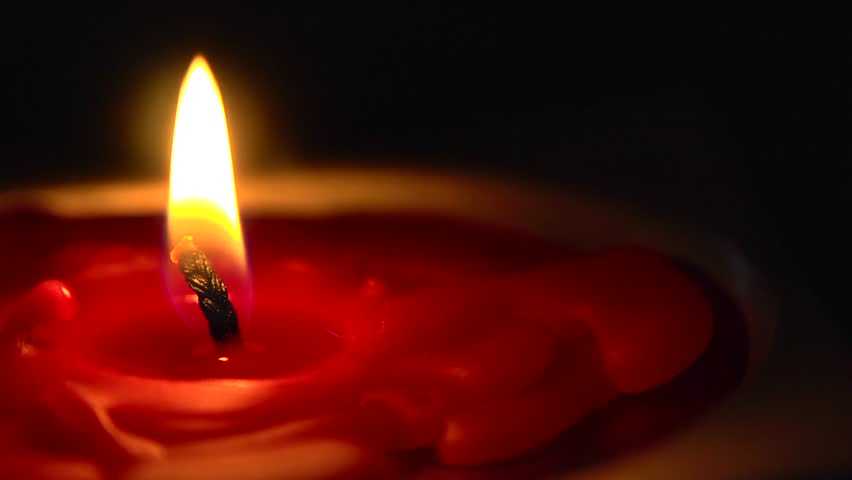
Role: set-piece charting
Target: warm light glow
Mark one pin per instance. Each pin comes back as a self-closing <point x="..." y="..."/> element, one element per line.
<point x="202" y="196"/>
<point x="223" y="359"/>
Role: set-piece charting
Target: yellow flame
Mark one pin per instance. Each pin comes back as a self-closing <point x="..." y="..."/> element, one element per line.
<point x="202" y="196"/>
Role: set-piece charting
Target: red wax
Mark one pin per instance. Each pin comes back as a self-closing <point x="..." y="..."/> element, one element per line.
<point x="368" y="335"/>
<point x="649" y="318"/>
<point x="575" y="385"/>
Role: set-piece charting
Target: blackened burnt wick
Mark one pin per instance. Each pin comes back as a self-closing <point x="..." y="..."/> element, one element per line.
<point x="211" y="290"/>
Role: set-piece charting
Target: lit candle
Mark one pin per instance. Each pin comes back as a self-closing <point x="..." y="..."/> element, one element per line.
<point x="343" y="340"/>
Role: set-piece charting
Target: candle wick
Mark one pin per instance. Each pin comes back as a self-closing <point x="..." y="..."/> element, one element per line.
<point x="211" y="290"/>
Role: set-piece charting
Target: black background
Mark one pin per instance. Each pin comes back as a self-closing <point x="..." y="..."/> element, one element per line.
<point x="740" y="124"/>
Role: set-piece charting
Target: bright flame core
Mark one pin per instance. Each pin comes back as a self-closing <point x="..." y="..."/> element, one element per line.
<point x="202" y="196"/>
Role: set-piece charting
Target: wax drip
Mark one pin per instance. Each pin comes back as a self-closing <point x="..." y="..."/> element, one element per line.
<point x="211" y="290"/>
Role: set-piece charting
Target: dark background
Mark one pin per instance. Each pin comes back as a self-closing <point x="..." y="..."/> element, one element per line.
<point x="738" y="124"/>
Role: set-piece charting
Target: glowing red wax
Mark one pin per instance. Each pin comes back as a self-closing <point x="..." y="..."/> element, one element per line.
<point x="383" y="333"/>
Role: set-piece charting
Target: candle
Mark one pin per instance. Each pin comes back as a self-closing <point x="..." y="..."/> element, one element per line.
<point x="360" y="337"/>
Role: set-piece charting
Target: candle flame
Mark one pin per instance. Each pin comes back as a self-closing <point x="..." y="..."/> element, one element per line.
<point x="202" y="196"/>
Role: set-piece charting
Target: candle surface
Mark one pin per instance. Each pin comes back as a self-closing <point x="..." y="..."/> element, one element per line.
<point x="371" y="336"/>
